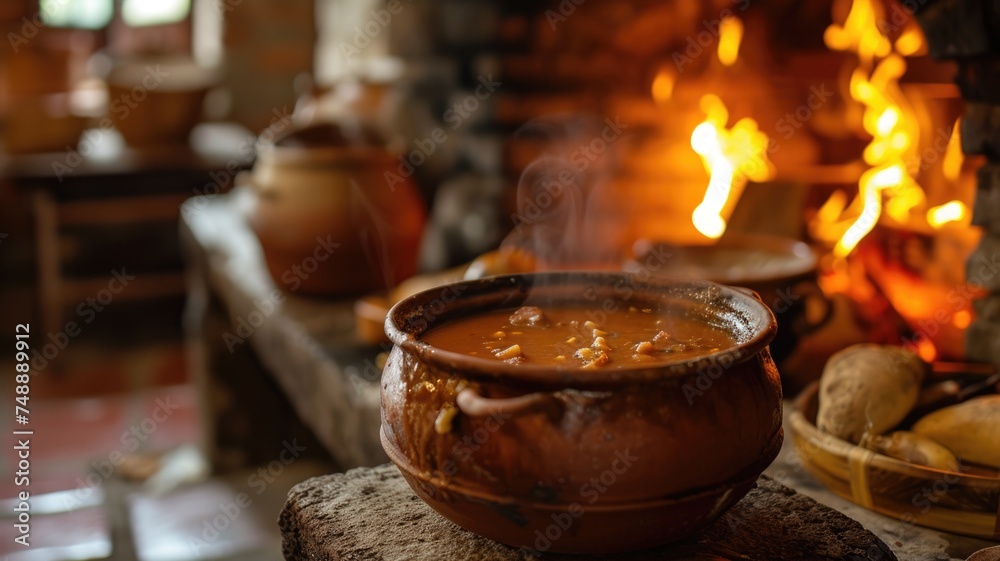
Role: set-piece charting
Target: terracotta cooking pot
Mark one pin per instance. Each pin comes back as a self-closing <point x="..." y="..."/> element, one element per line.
<point x="557" y="459"/>
<point x="328" y="220"/>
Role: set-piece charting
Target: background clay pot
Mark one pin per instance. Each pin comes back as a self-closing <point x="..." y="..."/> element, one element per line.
<point x="157" y="101"/>
<point x="634" y="457"/>
<point x="324" y="186"/>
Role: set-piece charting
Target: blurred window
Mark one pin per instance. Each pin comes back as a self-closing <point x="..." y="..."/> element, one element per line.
<point x="97" y="14"/>
<point x="85" y="14"/>
<point x="138" y="13"/>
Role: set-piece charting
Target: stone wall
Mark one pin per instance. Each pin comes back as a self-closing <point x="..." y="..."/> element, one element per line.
<point x="969" y="34"/>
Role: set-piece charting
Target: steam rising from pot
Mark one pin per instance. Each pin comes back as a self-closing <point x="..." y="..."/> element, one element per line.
<point x="566" y="214"/>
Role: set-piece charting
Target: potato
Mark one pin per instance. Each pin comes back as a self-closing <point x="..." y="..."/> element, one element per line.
<point x="969" y="429"/>
<point x="916" y="449"/>
<point x="868" y="388"/>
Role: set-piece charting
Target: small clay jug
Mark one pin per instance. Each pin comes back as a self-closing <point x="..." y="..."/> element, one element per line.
<point x="332" y="212"/>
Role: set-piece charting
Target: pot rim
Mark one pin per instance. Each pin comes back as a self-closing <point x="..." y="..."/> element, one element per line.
<point x="323" y="156"/>
<point x="802" y="257"/>
<point x="519" y="285"/>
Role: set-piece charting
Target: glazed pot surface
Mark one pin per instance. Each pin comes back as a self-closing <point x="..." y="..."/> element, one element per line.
<point x="662" y="449"/>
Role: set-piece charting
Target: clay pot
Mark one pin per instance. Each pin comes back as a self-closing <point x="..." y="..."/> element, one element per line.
<point x="577" y="461"/>
<point x="42" y="123"/>
<point x="157" y="101"/>
<point x="328" y="220"/>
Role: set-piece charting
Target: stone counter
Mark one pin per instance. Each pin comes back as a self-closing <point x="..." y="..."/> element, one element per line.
<point x="238" y="321"/>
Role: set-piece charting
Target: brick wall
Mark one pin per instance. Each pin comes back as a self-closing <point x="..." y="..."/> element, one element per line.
<point x="267" y="44"/>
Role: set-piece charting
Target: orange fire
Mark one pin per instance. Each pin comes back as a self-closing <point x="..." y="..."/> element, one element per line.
<point x="859" y="33"/>
<point x="731" y="157"/>
<point x="730" y="37"/>
<point x="663" y="85"/>
<point x="910" y="42"/>
<point x="962" y="319"/>
<point x="952" y="211"/>
<point x="926" y="349"/>
<point x="889" y="183"/>
<point x="951" y="166"/>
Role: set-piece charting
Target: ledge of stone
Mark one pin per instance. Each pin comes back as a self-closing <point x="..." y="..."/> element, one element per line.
<point x="979" y="79"/>
<point x="986" y="209"/>
<point x="956" y="28"/>
<point x="371" y="513"/>
<point x="981" y="129"/>
<point x="983" y="266"/>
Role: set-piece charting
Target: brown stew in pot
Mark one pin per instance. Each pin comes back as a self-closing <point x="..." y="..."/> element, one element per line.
<point x="563" y="336"/>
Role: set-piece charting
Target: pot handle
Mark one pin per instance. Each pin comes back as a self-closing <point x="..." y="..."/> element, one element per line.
<point x="812" y="292"/>
<point x="474" y="405"/>
<point x="245" y="179"/>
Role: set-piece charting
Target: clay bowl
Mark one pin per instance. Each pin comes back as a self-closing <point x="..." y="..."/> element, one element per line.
<point x="567" y="460"/>
<point x="157" y="101"/>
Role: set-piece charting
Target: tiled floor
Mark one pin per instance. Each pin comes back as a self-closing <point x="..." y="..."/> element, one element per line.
<point x="76" y="452"/>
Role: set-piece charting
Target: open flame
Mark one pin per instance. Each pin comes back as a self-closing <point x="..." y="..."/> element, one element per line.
<point x="910" y="42"/>
<point x="951" y="165"/>
<point x="887" y="117"/>
<point x="951" y="168"/>
<point x="926" y="349"/>
<point x="731" y="156"/>
<point x="730" y="37"/>
<point x="859" y="33"/>
<point x="952" y="211"/>
<point x="663" y="85"/>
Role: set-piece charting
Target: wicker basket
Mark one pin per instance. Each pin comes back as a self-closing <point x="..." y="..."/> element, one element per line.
<point x="963" y="503"/>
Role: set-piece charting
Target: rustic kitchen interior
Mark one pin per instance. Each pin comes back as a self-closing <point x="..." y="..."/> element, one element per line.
<point x="463" y="279"/>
